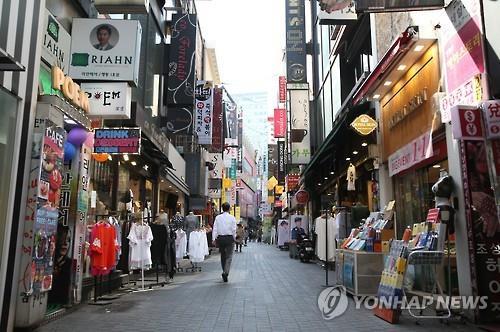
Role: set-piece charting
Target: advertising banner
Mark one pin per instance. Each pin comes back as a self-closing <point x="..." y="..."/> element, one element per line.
<point x="217" y="122"/>
<point x="282" y="89"/>
<point x="181" y="68"/>
<point x="117" y="140"/>
<point x="179" y="120"/>
<point x="109" y="100"/>
<point x="204" y="114"/>
<point x="281" y="162"/>
<point x="280" y="123"/>
<point x="411" y="154"/>
<point x="105" y="50"/>
<point x="492" y="118"/>
<point x="56" y="43"/>
<point x="216" y="160"/>
<point x="295" y="42"/>
<point x="482" y="227"/>
<point x="300" y="133"/>
<point x="466" y="123"/>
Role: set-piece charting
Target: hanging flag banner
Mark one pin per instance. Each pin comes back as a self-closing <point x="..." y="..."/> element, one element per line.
<point x="181" y="80"/>
<point x="117" y="140"/>
<point x="204" y="113"/>
<point x="300" y="135"/>
<point x="279" y="123"/>
<point x="109" y="100"/>
<point x="281" y="162"/>
<point x="217" y="122"/>
<point x="282" y="89"/>
<point x="295" y="42"/>
<point x="216" y="160"/>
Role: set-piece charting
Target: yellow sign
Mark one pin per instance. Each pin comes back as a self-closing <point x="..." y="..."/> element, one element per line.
<point x="270" y="199"/>
<point x="227" y="183"/>
<point x="237" y="212"/>
<point x="279" y="190"/>
<point x="69" y="89"/>
<point x="364" y="124"/>
<point x="271" y="183"/>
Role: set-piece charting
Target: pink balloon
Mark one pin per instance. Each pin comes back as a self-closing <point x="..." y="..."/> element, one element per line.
<point x="90" y="139"/>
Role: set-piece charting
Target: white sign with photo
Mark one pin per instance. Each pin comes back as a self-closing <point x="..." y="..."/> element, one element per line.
<point x="105" y="50"/>
<point x="109" y="100"/>
<point x="56" y="43"/>
<point x="300" y="133"/>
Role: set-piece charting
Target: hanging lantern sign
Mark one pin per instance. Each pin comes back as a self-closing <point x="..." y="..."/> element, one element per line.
<point x="364" y="124"/>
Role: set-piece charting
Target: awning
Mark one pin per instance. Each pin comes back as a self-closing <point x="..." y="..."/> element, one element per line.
<point x="153" y="153"/>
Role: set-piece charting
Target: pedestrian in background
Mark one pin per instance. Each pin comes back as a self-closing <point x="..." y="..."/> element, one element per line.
<point x="224" y="234"/>
<point x="240" y="234"/>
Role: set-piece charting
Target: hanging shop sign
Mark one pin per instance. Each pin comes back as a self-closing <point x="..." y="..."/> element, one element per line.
<point x="491" y="114"/>
<point x="300" y="133"/>
<point x="380" y="6"/>
<point x="217" y="119"/>
<point x="109" y="100"/>
<point x="216" y="160"/>
<point x="280" y="123"/>
<point x="364" y="124"/>
<point x="56" y="43"/>
<point x="462" y="38"/>
<point x="282" y="89"/>
<point x="281" y="162"/>
<point x="230" y="151"/>
<point x="117" y="140"/>
<point x="181" y="68"/>
<point x="271" y="183"/>
<point x="302" y="197"/>
<point x="295" y="41"/>
<point x="179" y="120"/>
<point x="466" y="123"/>
<point x="233" y="169"/>
<point x="411" y="154"/>
<point x="338" y="16"/>
<point x="203" y="113"/>
<point x="105" y="50"/>
<point x="470" y="93"/>
<point x="70" y="90"/>
<point x="292" y="181"/>
<point x="214" y="193"/>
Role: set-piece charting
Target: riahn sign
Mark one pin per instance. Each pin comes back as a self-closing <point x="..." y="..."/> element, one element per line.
<point x="56" y="43"/>
<point x="105" y="50"/>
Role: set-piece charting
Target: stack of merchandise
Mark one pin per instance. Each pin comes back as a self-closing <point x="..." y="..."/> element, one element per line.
<point x="371" y="235"/>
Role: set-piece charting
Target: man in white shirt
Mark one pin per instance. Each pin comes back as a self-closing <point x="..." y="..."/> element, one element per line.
<point x="224" y="233"/>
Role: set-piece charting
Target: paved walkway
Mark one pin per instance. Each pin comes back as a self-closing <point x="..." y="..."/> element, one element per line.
<point x="267" y="291"/>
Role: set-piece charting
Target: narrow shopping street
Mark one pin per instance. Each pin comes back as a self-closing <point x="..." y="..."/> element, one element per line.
<point x="267" y="291"/>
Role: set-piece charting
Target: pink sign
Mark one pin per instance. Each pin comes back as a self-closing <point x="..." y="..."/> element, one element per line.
<point x="279" y="123"/>
<point x="282" y="89"/>
<point x="411" y="154"/>
<point x="464" y="55"/>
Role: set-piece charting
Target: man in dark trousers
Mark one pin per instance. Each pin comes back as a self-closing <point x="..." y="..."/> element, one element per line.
<point x="224" y="233"/>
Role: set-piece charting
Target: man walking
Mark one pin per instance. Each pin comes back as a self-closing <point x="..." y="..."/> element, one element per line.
<point x="224" y="233"/>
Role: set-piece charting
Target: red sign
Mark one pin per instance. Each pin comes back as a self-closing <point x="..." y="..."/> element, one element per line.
<point x="433" y="216"/>
<point x="495" y="146"/>
<point x="282" y="89"/>
<point x="279" y="123"/>
<point x="292" y="181"/>
<point x="466" y="123"/>
<point x="492" y="118"/>
<point x="217" y="122"/>
<point x="302" y="197"/>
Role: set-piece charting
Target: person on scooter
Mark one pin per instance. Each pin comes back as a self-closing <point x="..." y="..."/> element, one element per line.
<point x="298" y="233"/>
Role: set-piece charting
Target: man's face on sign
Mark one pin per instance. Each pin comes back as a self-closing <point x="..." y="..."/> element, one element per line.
<point x="103" y="36"/>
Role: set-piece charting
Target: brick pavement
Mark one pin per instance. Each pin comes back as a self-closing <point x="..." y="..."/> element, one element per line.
<point x="267" y="291"/>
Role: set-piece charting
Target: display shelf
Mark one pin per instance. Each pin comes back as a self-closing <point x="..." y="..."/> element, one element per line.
<point x="359" y="271"/>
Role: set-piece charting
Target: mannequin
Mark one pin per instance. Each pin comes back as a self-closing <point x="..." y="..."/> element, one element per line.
<point x="321" y="230"/>
<point x="442" y="190"/>
<point x="190" y="224"/>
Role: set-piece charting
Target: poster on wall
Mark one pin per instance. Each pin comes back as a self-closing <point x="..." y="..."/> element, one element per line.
<point x="203" y="113"/>
<point x="300" y="133"/>
<point x="482" y="226"/>
<point x="117" y="140"/>
<point x="109" y="100"/>
<point x="105" y="50"/>
<point x="295" y="42"/>
<point x="181" y="68"/>
<point x="50" y="182"/>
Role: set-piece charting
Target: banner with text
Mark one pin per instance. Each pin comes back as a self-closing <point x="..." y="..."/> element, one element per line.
<point x="204" y="113"/>
<point x="300" y="133"/>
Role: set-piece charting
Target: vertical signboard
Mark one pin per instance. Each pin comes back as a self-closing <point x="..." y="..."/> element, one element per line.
<point x="216" y="160"/>
<point x="56" y="43"/>
<point x="279" y="123"/>
<point x="180" y="88"/>
<point x="281" y="162"/>
<point x="300" y="136"/>
<point x="217" y="122"/>
<point x="282" y="89"/>
<point x="179" y="120"/>
<point x="204" y="113"/>
<point x="295" y="42"/>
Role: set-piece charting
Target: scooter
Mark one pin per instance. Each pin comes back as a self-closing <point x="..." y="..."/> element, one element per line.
<point x="306" y="250"/>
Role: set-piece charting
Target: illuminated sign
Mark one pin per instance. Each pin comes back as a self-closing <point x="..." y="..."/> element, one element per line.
<point x="117" y="140"/>
<point x="69" y="89"/>
<point x="364" y="124"/>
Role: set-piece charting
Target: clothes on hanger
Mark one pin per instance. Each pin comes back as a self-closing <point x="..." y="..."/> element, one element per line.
<point x="180" y="244"/>
<point x="103" y="248"/>
<point x="198" y="246"/>
<point x="320" y="229"/>
<point x="125" y="247"/>
<point x="160" y="237"/>
<point x="140" y="238"/>
<point x="177" y="221"/>
<point x="351" y="178"/>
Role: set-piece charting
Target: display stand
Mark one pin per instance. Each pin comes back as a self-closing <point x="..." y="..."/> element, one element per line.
<point x="326" y="248"/>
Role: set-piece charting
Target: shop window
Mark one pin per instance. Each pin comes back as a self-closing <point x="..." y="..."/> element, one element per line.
<point x="8" y="120"/>
<point x="414" y="196"/>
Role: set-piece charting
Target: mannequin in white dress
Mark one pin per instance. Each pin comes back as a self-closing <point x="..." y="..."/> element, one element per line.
<point x="320" y="230"/>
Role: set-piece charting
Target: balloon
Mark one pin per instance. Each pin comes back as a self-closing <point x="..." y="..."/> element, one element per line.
<point x="77" y="136"/>
<point x="100" y="157"/>
<point x="89" y="141"/>
<point x="69" y="151"/>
